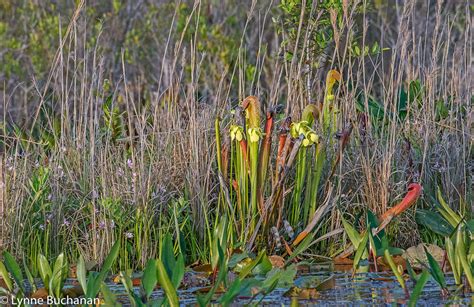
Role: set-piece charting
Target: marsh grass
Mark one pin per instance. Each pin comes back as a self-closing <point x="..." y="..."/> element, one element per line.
<point x="130" y="149"/>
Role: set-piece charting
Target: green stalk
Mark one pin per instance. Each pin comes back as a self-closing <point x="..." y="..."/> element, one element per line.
<point x="299" y="181"/>
<point x="462" y="255"/>
<point x="319" y="158"/>
<point x="219" y="162"/>
<point x="253" y="147"/>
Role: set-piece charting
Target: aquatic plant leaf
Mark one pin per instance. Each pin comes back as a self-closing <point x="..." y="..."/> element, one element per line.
<point x="263" y="267"/>
<point x="249" y="268"/>
<point x="434" y="222"/>
<point x="6" y="277"/>
<point x="109" y="297"/>
<point x="178" y="271"/>
<point x="166" y="284"/>
<point x="462" y="256"/>
<point x="353" y="234"/>
<point x="149" y="278"/>
<point x="411" y="272"/>
<point x="58" y="275"/>
<point x="110" y="259"/>
<point x="435" y="270"/>
<point x="420" y="284"/>
<point x="453" y="260"/>
<point x="167" y="254"/>
<point x="236" y="258"/>
<point x="14" y="269"/>
<point x="44" y="269"/>
<point x="380" y="239"/>
<point x="81" y="274"/>
<point x="394" y="268"/>
<point x="361" y="250"/>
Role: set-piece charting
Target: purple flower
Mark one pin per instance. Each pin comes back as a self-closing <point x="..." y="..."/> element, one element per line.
<point x="130" y="163"/>
<point x="102" y="225"/>
<point x="66" y="223"/>
<point x="128" y="235"/>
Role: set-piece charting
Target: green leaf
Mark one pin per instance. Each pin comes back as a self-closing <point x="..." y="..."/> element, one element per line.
<point x="394" y="268"/>
<point x="14" y="269"/>
<point x="462" y="256"/>
<point x="263" y="267"/>
<point x="166" y="284"/>
<point x="420" y="284"/>
<point x="44" y="270"/>
<point x="435" y="270"/>
<point x="455" y="265"/>
<point x="109" y="261"/>
<point x="6" y="277"/>
<point x="149" y="278"/>
<point x="178" y="272"/>
<point x="249" y="267"/>
<point x="361" y="250"/>
<point x="58" y="275"/>
<point x="353" y="234"/>
<point x="109" y="298"/>
<point x="411" y="272"/>
<point x="434" y="222"/>
<point x="167" y="254"/>
<point x="81" y="274"/>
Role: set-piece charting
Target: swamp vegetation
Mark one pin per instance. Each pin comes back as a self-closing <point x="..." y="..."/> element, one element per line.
<point x="237" y="152"/>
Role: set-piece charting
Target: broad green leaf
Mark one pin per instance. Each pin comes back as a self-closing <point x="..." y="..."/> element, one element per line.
<point x="247" y="269"/>
<point x="167" y="254"/>
<point x="411" y="272"/>
<point x="420" y="284"/>
<point x="109" y="261"/>
<point x="6" y="277"/>
<point x="166" y="284"/>
<point x="435" y="270"/>
<point x="178" y="272"/>
<point x="462" y="256"/>
<point x="455" y="265"/>
<point x="44" y="270"/>
<point x="14" y="269"/>
<point x="263" y="267"/>
<point x="353" y="234"/>
<point x="434" y="222"/>
<point x="394" y="268"/>
<point x="109" y="297"/>
<point x="149" y="278"/>
<point x="81" y="274"/>
<point x="128" y="285"/>
<point x="361" y="250"/>
<point x="231" y="293"/>
<point x="58" y="275"/>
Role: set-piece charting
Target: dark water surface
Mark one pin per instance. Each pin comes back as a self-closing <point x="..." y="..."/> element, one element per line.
<point x="373" y="289"/>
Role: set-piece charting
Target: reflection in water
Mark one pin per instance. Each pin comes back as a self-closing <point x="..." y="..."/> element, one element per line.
<point x="340" y="288"/>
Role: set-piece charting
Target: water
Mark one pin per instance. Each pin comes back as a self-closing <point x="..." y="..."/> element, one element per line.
<point x="339" y="289"/>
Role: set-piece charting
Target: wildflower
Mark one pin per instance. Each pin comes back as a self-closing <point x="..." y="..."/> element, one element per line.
<point x="288" y="229"/>
<point x="41" y="227"/>
<point x="236" y="133"/>
<point x="128" y="235"/>
<point x="130" y="163"/>
<point x="102" y="225"/>
<point x="66" y="223"/>
<point x="254" y="134"/>
<point x="120" y="172"/>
